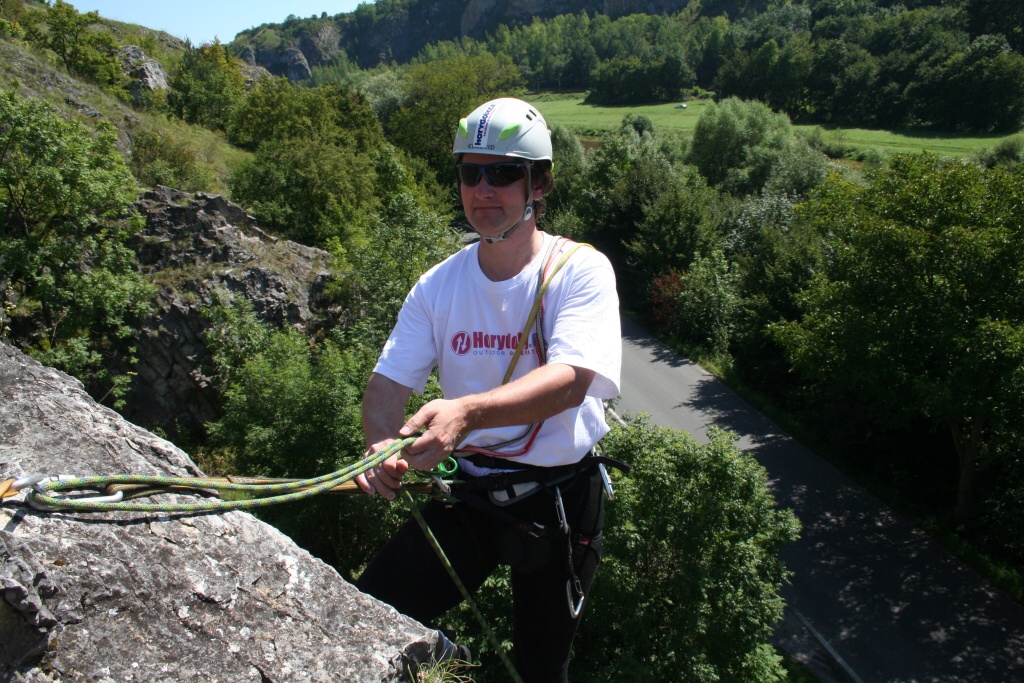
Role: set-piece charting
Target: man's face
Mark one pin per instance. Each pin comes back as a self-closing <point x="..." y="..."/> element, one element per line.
<point x="490" y="209"/>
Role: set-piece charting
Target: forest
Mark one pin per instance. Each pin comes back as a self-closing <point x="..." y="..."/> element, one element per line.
<point x="933" y="64"/>
<point x="874" y="306"/>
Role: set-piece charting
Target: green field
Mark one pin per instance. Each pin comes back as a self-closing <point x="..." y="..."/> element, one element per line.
<point x="591" y="120"/>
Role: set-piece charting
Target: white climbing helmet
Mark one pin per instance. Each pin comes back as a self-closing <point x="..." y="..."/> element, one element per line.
<point x="505" y="127"/>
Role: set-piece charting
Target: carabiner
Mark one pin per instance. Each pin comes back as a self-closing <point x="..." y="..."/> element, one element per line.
<point x="30" y="500"/>
<point x="575" y="606"/>
<point x="12" y="487"/>
<point x="606" y="480"/>
<point x="446" y="467"/>
<point x="563" y="521"/>
<point x="442" y="486"/>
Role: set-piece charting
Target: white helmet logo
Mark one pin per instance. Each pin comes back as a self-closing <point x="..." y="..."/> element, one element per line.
<point x="483" y="125"/>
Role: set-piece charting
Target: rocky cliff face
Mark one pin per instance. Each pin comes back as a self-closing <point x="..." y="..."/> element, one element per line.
<point x="168" y="598"/>
<point x="399" y="36"/>
<point x="481" y="16"/>
<point x="197" y="247"/>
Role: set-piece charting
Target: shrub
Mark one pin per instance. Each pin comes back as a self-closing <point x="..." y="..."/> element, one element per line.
<point x="697" y="306"/>
<point x="65" y="194"/>
<point x="160" y="158"/>
<point x="689" y="587"/>
<point x="310" y="190"/>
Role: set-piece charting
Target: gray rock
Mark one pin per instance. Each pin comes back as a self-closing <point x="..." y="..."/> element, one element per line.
<point x="197" y="248"/>
<point x="298" y="68"/>
<point x="140" y="597"/>
<point x="147" y="74"/>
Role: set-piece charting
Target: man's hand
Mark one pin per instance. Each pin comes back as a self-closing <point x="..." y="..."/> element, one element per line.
<point x="385" y="478"/>
<point x="444" y="424"/>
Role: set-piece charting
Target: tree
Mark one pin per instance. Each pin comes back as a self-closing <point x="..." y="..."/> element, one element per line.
<point x="276" y="109"/>
<point x="308" y="189"/>
<point x="83" y="51"/>
<point x="690" y="580"/>
<point x="12" y="14"/>
<point x="439" y="94"/>
<point x="740" y="147"/>
<point x="918" y="310"/>
<point x="65" y="197"/>
<point x="775" y="255"/>
<point x="991" y="77"/>
<point x="698" y="306"/>
<point x="205" y="85"/>
<point x="292" y="409"/>
<point x="998" y="16"/>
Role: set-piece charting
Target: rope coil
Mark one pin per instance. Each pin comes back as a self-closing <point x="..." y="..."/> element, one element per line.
<point x="40" y="489"/>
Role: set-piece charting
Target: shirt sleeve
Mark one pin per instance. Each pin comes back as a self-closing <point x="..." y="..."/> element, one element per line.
<point x="410" y="353"/>
<point x="585" y="329"/>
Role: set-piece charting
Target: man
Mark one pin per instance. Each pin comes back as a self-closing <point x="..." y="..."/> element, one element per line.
<point x="523" y="378"/>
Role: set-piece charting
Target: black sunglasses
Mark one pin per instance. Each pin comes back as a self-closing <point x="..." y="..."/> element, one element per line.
<point x="501" y="174"/>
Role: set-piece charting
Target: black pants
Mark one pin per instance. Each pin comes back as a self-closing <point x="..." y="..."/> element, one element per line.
<point x="408" y="575"/>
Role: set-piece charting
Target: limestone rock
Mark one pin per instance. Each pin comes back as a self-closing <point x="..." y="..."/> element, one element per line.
<point x="297" y="67"/>
<point x="321" y="45"/>
<point x="199" y="247"/>
<point x="163" y="598"/>
<point x="147" y="74"/>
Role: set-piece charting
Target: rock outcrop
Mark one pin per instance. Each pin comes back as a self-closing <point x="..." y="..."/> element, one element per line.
<point x="199" y="248"/>
<point x="147" y="75"/>
<point x="163" y="598"/>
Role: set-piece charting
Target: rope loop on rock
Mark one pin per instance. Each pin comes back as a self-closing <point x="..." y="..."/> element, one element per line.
<point x="40" y="489"/>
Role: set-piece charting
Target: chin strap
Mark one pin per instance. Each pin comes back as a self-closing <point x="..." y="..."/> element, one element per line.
<point x="499" y="238"/>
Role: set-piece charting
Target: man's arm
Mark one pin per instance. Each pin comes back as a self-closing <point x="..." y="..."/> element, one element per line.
<point x="546" y="391"/>
<point x="383" y="414"/>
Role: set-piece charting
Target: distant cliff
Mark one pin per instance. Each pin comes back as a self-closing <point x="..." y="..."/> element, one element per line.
<point x="370" y="36"/>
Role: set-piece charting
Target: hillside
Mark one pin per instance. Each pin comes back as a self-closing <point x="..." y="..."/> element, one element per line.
<point x="396" y="30"/>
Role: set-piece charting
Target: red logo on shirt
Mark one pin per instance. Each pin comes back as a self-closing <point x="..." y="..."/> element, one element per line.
<point x="461" y="343"/>
<point x="481" y="343"/>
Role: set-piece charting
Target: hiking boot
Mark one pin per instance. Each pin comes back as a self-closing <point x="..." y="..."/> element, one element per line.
<point x="447" y="650"/>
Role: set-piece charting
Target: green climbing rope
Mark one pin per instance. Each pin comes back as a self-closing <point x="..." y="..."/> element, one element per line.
<point x="439" y="551"/>
<point x="41" y="490"/>
<point x="41" y="494"/>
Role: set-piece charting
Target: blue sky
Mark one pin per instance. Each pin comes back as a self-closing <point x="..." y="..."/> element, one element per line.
<point x="202" y="20"/>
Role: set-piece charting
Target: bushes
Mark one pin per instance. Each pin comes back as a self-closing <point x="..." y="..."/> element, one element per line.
<point x="689" y="587"/>
<point x="64" y="197"/>
<point x="293" y="410"/>
<point x="698" y="306"/>
<point x="160" y="158"/>
<point x="744" y="148"/>
<point x="83" y="51"/>
<point x="309" y="190"/>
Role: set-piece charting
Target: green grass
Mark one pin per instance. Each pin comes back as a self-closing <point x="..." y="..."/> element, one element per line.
<point x="588" y="119"/>
<point x="592" y="120"/>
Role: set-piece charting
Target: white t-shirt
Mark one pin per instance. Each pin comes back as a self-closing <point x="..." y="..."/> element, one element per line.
<point x="458" y="320"/>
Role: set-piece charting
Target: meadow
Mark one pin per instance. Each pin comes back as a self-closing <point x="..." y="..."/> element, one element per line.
<point x="589" y="120"/>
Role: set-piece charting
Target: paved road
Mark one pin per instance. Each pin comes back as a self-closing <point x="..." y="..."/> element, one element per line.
<point x="872" y="599"/>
